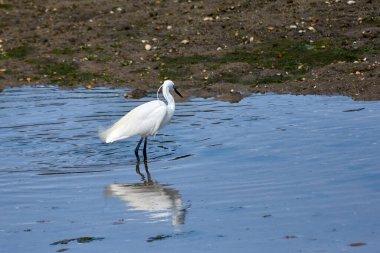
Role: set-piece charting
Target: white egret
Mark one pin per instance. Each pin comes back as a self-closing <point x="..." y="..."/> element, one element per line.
<point x="144" y="120"/>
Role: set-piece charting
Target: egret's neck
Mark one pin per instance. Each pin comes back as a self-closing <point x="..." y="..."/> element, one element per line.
<point x="169" y="98"/>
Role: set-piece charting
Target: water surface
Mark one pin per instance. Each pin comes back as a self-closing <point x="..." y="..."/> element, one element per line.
<point x="273" y="173"/>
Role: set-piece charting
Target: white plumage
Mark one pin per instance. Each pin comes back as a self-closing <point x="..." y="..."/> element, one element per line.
<point x="144" y="120"/>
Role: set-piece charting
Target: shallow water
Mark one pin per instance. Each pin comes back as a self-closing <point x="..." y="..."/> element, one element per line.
<point x="273" y="173"/>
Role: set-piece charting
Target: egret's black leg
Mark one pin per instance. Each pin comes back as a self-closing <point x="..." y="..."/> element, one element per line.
<point x="138" y="171"/>
<point x="144" y="151"/>
<point x="137" y="149"/>
<point x="149" y="178"/>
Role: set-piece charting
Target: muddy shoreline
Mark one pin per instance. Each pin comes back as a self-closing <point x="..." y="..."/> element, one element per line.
<point x="222" y="49"/>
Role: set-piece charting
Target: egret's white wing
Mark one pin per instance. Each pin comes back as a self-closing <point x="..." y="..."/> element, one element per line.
<point x="143" y="120"/>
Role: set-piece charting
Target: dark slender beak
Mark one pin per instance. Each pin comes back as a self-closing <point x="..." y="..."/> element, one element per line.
<point x="176" y="91"/>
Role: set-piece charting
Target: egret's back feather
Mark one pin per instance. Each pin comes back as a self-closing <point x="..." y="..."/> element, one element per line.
<point x="143" y="120"/>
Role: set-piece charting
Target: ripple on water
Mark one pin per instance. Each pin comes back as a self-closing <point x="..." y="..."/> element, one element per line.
<point x="261" y="174"/>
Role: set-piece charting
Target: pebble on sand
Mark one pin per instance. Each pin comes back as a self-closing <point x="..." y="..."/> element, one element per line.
<point x="185" y="42"/>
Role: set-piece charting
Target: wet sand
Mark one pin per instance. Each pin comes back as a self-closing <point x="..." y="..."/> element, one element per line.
<point x="221" y="49"/>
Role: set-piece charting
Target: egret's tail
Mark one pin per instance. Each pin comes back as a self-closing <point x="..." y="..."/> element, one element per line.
<point x="118" y="131"/>
<point x="105" y="135"/>
<point x="112" y="134"/>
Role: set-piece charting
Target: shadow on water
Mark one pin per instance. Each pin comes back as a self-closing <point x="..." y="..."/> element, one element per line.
<point x="159" y="200"/>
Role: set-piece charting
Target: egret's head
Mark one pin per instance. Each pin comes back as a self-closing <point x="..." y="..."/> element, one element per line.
<point x="171" y="86"/>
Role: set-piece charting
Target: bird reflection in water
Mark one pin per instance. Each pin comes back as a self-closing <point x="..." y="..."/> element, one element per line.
<point x="161" y="201"/>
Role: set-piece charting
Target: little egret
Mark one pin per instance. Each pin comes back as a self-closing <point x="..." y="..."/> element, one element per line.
<point x="144" y="120"/>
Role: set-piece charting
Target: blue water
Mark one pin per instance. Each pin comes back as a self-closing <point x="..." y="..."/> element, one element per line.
<point x="273" y="173"/>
